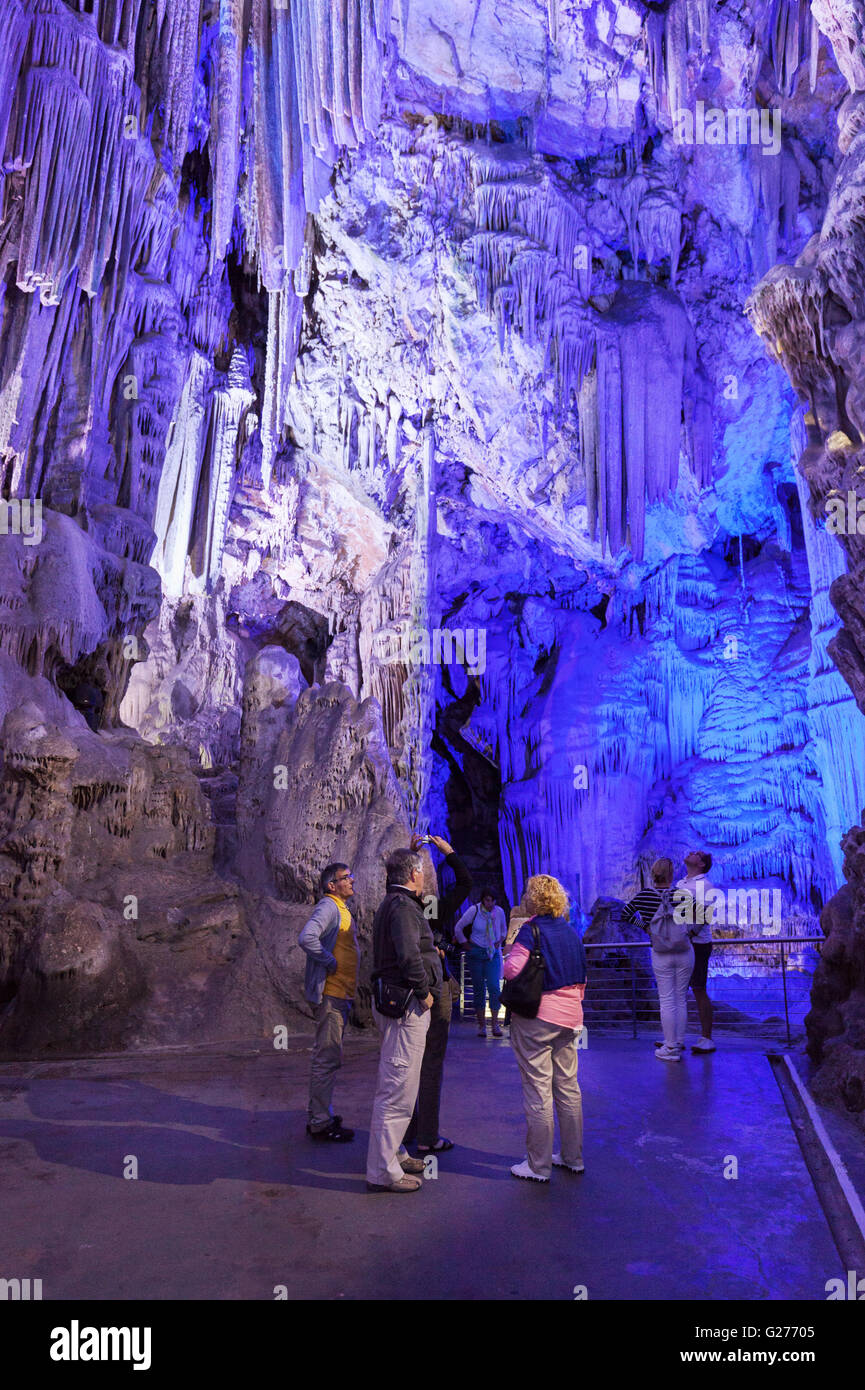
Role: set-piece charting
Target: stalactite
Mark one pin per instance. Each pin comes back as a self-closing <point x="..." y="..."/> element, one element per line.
<point x="524" y="256"/>
<point x="553" y="20"/>
<point x="787" y="310"/>
<point x="178" y="483"/>
<point x="280" y="207"/>
<point x="788" y="29"/>
<point x="660" y="225"/>
<point x="626" y="195"/>
<point x="229" y="404"/>
<point x="686" y="30"/>
<point x="225" y="124"/>
<point x="283" y="335"/>
<point x="653" y="38"/>
<point x="14" y="24"/>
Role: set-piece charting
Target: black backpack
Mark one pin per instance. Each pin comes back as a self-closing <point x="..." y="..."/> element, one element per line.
<point x="522" y="994"/>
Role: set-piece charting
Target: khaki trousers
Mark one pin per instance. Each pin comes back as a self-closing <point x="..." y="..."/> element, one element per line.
<point x="547" y="1058"/>
<point x="402" y="1049"/>
<point x="331" y="1017"/>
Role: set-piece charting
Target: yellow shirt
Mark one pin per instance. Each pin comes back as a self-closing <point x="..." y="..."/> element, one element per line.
<point x="342" y="983"/>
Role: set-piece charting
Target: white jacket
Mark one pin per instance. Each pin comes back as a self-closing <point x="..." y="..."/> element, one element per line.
<point x="703" y="937"/>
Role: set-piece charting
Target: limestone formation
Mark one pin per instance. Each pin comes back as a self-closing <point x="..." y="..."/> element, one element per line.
<point x="385" y="445"/>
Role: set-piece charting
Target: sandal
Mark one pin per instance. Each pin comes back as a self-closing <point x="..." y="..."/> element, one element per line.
<point x="406" y="1184"/>
<point x="439" y="1147"/>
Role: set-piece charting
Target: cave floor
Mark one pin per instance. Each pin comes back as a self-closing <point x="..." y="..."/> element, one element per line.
<point x="232" y="1200"/>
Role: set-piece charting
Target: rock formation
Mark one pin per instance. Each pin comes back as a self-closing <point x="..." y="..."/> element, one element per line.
<point x="384" y="444"/>
<point x="812" y="315"/>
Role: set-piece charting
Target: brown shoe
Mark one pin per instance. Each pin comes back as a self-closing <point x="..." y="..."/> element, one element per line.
<point x="404" y="1185"/>
<point x="411" y="1165"/>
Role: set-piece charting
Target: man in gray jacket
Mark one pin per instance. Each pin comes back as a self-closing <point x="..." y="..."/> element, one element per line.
<point x="330" y="943"/>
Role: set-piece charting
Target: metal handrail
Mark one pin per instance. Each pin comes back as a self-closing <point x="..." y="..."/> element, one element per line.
<point x="785" y="944"/>
<point x="716" y="941"/>
<point x="722" y="942"/>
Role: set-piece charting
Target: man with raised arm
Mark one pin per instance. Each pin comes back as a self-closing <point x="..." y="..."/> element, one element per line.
<point x="423" y="1131"/>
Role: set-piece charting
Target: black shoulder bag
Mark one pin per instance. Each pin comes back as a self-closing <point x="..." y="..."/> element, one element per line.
<point x="391" y="1000"/>
<point x="522" y="994"/>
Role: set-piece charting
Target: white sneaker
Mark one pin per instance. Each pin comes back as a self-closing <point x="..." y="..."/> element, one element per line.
<point x="522" y="1170"/>
<point x="668" y="1054"/>
<point x="703" y="1045"/>
<point x="559" y="1162"/>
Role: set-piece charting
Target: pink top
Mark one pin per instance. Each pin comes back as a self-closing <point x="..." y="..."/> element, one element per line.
<point x="561" y="1007"/>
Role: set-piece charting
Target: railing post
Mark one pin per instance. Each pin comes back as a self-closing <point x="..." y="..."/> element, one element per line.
<point x="784" y="981"/>
<point x="633" y="993"/>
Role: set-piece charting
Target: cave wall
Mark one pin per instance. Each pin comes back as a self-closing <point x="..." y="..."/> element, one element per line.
<point x="323" y="331"/>
<point x="811" y="313"/>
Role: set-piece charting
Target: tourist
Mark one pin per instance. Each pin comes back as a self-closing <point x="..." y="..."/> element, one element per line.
<point x="545" y="1046"/>
<point x="483" y="930"/>
<point x="672" y="967"/>
<point x="407" y="969"/>
<point x="517" y="917"/>
<point x="423" y="1131"/>
<point x="697" y="866"/>
<point x="330" y="942"/>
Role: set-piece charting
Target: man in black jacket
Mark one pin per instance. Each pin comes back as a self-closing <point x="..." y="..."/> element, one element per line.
<point x="404" y="955"/>
<point x="423" y="1131"/>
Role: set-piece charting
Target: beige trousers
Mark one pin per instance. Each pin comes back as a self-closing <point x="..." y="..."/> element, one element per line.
<point x="547" y="1058"/>
<point x="402" y="1048"/>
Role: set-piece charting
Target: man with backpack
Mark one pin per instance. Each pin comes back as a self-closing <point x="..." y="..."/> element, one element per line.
<point x="667" y="913"/>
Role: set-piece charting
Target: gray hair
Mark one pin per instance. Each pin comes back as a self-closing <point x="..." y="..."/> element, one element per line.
<point x="401" y="865"/>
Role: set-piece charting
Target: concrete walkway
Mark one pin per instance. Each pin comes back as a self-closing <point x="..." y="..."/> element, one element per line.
<point x="232" y="1200"/>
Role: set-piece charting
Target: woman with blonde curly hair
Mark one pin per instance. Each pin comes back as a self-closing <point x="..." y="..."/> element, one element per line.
<point x="545" y="1046"/>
